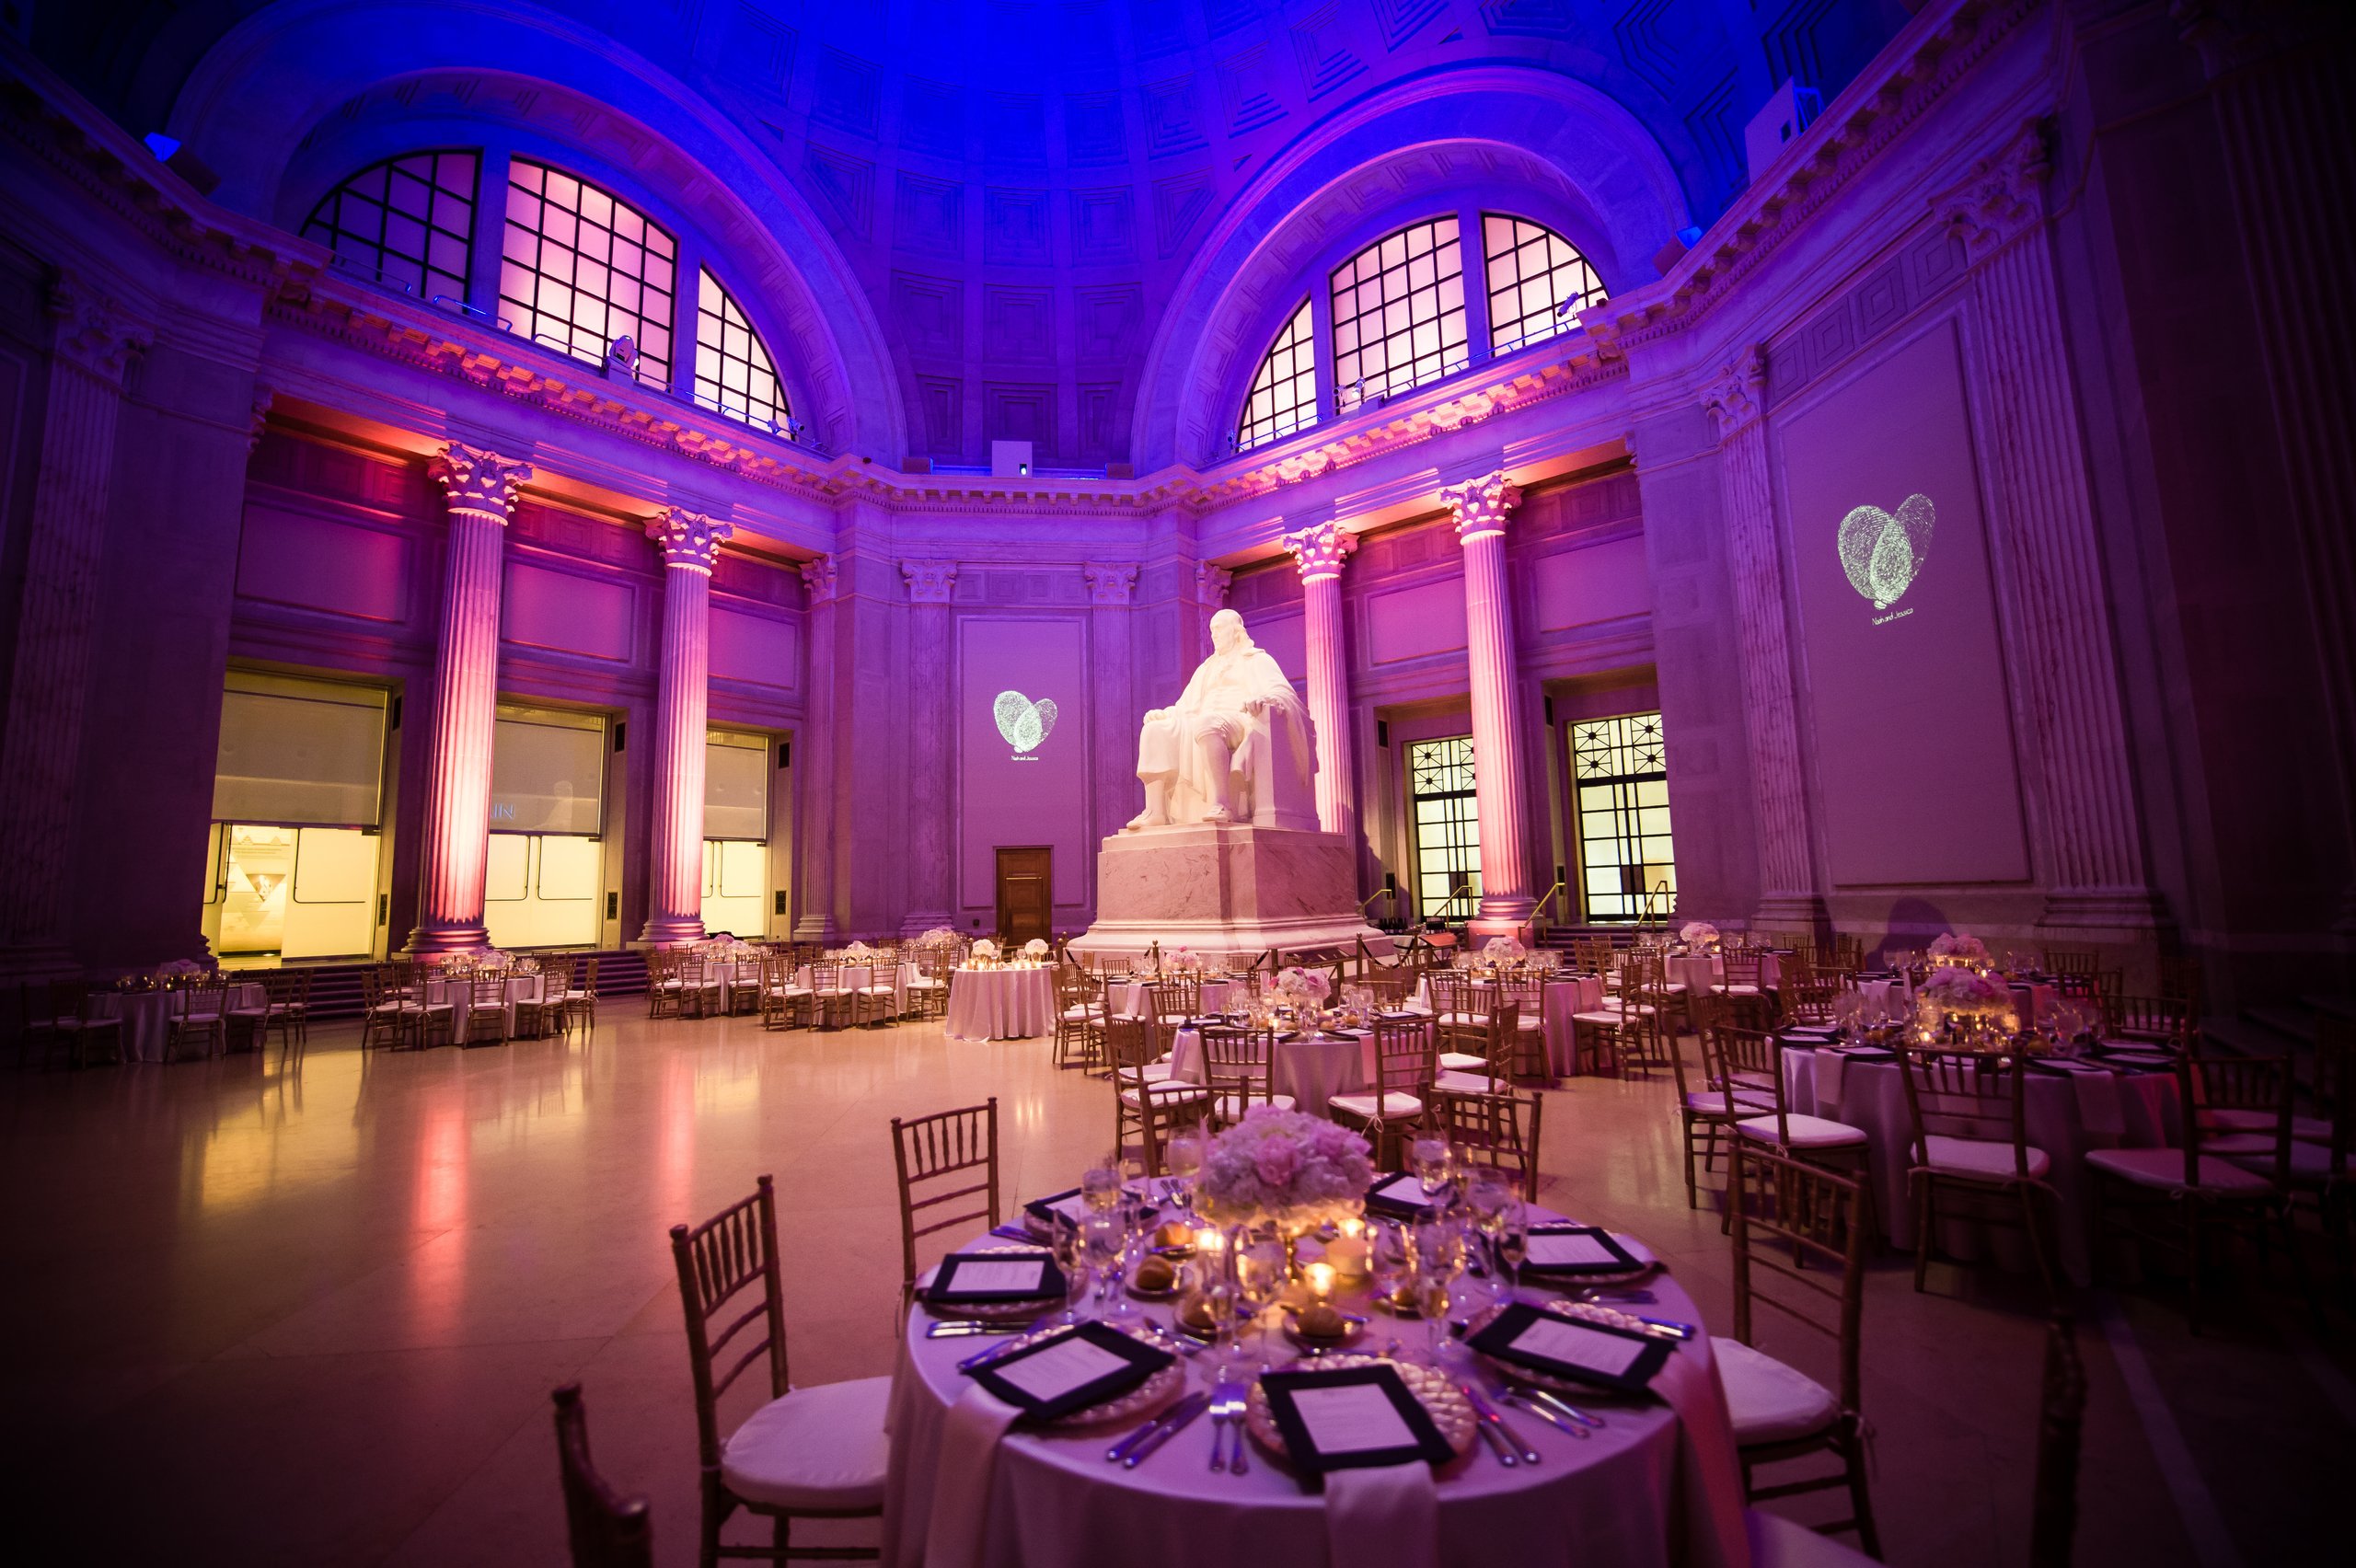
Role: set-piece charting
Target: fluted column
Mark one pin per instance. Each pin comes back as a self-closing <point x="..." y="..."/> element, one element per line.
<point x="690" y="543"/>
<point x="930" y="584"/>
<point x="1319" y="550"/>
<point x="2095" y="873"/>
<point x="481" y="490"/>
<point x="1481" y="507"/>
<point x="1770" y="719"/>
<point x="813" y="773"/>
<point x="40" y="750"/>
<point x="1110" y="592"/>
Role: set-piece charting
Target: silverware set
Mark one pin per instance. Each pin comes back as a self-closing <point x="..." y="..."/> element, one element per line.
<point x="1134" y="1450"/>
<point x="1227" y="1415"/>
<point x="1551" y="1409"/>
<point x="1503" y="1440"/>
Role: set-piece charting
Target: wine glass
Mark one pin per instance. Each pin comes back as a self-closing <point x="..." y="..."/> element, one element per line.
<point x="1071" y="1256"/>
<point x="1183" y="1161"/>
<point x="1101" y="1184"/>
<point x="1261" y="1267"/>
<point x="1510" y="1242"/>
<point x="1439" y="1259"/>
<point x="1387" y="1254"/>
<point x="1428" y="1158"/>
<point x="1487" y="1191"/>
<point x="1108" y="1250"/>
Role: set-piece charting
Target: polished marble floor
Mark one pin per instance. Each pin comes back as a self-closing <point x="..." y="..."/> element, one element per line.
<point x="311" y="1316"/>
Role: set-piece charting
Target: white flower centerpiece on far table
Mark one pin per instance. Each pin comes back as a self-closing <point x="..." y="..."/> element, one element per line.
<point x="1035" y="950"/>
<point x="983" y="954"/>
<point x="1699" y="934"/>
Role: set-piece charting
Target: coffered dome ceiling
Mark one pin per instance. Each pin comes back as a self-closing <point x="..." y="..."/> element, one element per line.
<point x="1016" y="187"/>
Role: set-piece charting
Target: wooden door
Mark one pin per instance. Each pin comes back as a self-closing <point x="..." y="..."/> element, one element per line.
<point x="1025" y="892"/>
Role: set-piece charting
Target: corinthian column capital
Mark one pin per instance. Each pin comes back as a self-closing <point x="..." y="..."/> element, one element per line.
<point x="1738" y="395"/>
<point x="480" y="481"/>
<point x="1211" y="584"/>
<point x="818" y="576"/>
<point x="930" y="582"/>
<point x="1320" y="550"/>
<point x="2004" y="194"/>
<point x="688" y="538"/>
<point x="1481" y="505"/>
<point x="95" y="332"/>
<point x="1110" y="584"/>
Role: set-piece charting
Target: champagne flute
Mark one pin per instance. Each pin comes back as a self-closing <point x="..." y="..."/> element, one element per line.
<point x="1108" y="1245"/>
<point x="1487" y="1193"/>
<point x="1387" y="1254"/>
<point x="1071" y="1256"/>
<point x="1439" y="1259"/>
<point x="1512" y="1243"/>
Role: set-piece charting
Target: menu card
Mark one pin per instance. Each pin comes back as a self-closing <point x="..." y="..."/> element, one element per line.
<point x="1072" y="1205"/>
<point x="1568" y="1347"/>
<point x="1400" y="1194"/>
<point x="1351" y="1418"/>
<point x="981" y="1277"/>
<point x="1070" y="1370"/>
<point x="1576" y="1249"/>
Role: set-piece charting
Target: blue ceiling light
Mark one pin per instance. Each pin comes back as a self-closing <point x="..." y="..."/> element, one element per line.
<point x="163" y="146"/>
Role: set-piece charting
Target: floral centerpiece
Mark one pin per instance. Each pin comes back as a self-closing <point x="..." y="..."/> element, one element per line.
<point x="1699" y="934"/>
<point x="1954" y="993"/>
<point x="1504" y="950"/>
<point x="859" y="949"/>
<point x="1303" y="988"/>
<point x="1955" y="947"/>
<point x="984" y="951"/>
<point x="1284" y="1167"/>
<point x="1036" y="949"/>
<point x="1183" y="961"/>
<point x="939" y="937"/>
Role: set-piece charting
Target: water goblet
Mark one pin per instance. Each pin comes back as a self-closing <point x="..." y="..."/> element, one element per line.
<point x="1261" y="1270"/>
<point x="1388" y="1252"/>
<point x="1428" y="1158"/>
<point x="1439" y="1259"/>
<point x="1071" y="1256"/>
<point x="1100" y="1185"/>
<point x="1183" y="1161"/>
<point x="1510" y="1242"/>
<point x="1108" y="1252"/>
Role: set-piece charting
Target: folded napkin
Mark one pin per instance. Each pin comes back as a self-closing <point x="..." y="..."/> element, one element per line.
<point x="1385" y="1516"/>
<point x="2098" y="1106"/>
<point x="1707" y="1521"/>
<point x="1829" y="1066"/>
<point x="960" y="1487"/>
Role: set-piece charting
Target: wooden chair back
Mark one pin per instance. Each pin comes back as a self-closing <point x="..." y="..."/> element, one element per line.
<point x="1172" y="1000"/>
<point x="939" y="1159"/>
<point x="1966" y="1094"/>
<point x="603" y="1528"/>
<point x="1747" y="1063"/>
<point x="1235" y="1061"/>
<point x="1814" y="1272"/>
<point x="2062" y="1414"/>
<point x="204" y="999"/>
<point x="1405" y="1057"/>
<point x="1500" y="1130"/>
<point x="2071" y="960"/>
<point x="728" y="1265"/>
<point x="2159" y="1021"/>
<point x="1390" y="986"/>
<point x="2235" y="1083"/>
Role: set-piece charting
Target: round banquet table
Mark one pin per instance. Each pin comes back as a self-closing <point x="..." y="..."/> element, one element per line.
<point x="455" y="992"/>
<point x="1002" y="1004"/>
<point x="2066" y="1111"/>
<point x="1566" y="994"/>
<point x="1617" y="1499"/>
<point x="855" y="976"/>
<point x="147" y="1016"/>
<point x="1137" y="998"/>
<point x="1312" y="1071"/>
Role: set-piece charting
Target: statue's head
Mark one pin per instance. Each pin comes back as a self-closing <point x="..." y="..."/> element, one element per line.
<point x="1228" y="633"/>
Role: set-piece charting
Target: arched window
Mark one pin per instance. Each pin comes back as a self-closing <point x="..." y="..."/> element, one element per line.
<point x="733" y="373"/>
<point x="1538" y="281"/>
<point x="1284" y="394"/>
<point x="580" y="267"/>
<point x="1398" y="313"/>
<point x="408" y="222"/>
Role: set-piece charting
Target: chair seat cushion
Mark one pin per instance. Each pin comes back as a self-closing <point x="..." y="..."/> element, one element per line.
<point x="1231" y="1107"/>
<point x="1364" y="1105"/>
<point x="2310" y="1163"/>
<point x="1469" y="1083"/>
<point x="820" y="1448"/>
<point x="1083" y="1013"/>
<point x="1602" y="1016"/>
<point x="2308" y="1129"/>
<point x="1740" y="990"/>
<point x="1778" y="1542"/>
<point x="1806" y="1132"/>
<point x="1750" y="1102"/>
<point x="1980" y="1158"/>
<point x="1158" y="1072"/>
<point x="1165" y="1093"/>
<point x="1461" y="1061"/>
<point x="2164" y="1169"/>
<point x="1771" y="1403"/>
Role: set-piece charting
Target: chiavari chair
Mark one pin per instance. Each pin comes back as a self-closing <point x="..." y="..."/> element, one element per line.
<point x="1621" y="1029"/>
<point x="580" y="997"/>
<point x="2180" y="980"/>
<point x="2317" y="1161"/>
<point x="1495" y="1068"/>
<point x="929" y="987"/>
<point x="871" y="989"/>
<point x="949" y="1158"/>
<point x="783" y="995"/>
<point x="534" y="1015"/>
<point x="382" y="1011"/>
<point x="1079" y="1019"/>
<point x="810" y="1453"/>
<point x="1747" y="1067"/>
<point x="1780" y="1413"/>
<point x="1236" y="1066"/>
<point x="741" y="985"/>
<point x="2216" y="1181"/>
<point x="1172" y="1002"/>
<point x="1390" y="987"/>
<point x="1145" y="1104"/>
<point x="1970" y="1142"/>
<point x="486" y="1021"/>
<point x="830" y="993"/>
<point x="69" y="1018"/>
<point x="2155" y="1021"/>
<point x="199" y="1014"/>
<point x="602" y="1529"/>
<point x="1404" y="1066"/>
<point x="1702" y="1113"/>
<point x="1498" y="1129"/>
<point x="664" y="997"/>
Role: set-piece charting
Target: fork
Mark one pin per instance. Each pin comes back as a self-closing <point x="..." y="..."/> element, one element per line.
<point x="1226" y="1411"/>
<point x="1236" y="1463"/>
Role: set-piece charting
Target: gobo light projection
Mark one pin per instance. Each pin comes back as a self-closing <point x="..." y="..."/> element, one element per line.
<point x="1023" y="723"/>
<point x="1883" y="552"/>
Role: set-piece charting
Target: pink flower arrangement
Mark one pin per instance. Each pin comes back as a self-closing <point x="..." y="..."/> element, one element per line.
<point x="1284" y="1166"/>
<point x="1303" y="986"/>
<point x="1957" y="948"/>
<point x="1954" y="989"/>
<point x="1699" y="934"/>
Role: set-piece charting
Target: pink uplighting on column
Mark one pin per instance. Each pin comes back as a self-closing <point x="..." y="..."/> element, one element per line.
<point x="690" y="543"/>
<point x="1481" y="507"/>
<point x="1319" y="550"/>
<point x="480" y="488"/>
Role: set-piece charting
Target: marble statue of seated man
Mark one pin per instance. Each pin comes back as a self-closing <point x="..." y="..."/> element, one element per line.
<point x="1236" y="744"/>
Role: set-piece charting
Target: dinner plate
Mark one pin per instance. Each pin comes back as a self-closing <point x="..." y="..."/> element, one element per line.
<point x="1354" y="1332"/>
<point x="1441" y="1400"/>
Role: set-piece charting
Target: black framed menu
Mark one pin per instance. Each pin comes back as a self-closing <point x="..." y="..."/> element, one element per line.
<point x="1070" y="1370"/>
<point x="1401" y="1195"/>
<point x="1070" y="1204"/>
<point x="1352" y="1418"/>
<point x="983" y="1278"/>
<point x="1572" y="1347"/>
<point x="1577" y="1250"/>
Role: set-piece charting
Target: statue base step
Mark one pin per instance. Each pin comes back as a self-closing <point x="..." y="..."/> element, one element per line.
<point x="1225" y="889"/>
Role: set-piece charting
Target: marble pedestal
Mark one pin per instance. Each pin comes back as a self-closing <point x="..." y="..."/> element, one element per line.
<point x="1234" y="889"/>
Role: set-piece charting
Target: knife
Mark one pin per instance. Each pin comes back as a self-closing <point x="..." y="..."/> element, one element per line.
<point x="1136" y="1440"/>
<point x="1559" y="1422"/>
<point x="1488" y="1415"/>
<point x="1531" y="1393"/>
<point x="967" y="1329"/>
<point x="1167" y="1430"/>
<point x="984" y="1357"/>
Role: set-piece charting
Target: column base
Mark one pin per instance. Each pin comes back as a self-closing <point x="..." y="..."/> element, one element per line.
<point x="1502" y="915"/>
<point x="671" y="930"/>
<point x="448" y="938"/>
<point x="817" y="928"/>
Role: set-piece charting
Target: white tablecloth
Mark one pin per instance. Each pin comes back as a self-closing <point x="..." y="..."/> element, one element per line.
<point x="1002" y="1004"/>
<point x="1565" y="995"/>
<point x="2066" y="1112"/>
<point x="147" y="1016"/>
<point x="457" y="992"/>
<point x="1136" y="999"/>
<point x="1312" y="1071"/>
<point x="858" y="975"/>
<point x="1616" y="1500"/>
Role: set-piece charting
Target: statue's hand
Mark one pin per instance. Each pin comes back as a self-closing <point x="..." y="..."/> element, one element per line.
<point x="1255" y="706"/>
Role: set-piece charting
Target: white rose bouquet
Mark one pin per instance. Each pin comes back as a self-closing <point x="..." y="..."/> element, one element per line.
<point x="1699" y="934"/>
<point x="984" y="949"/>
<point x="1304" y="987"/>
<point x="1034" y="948"/>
